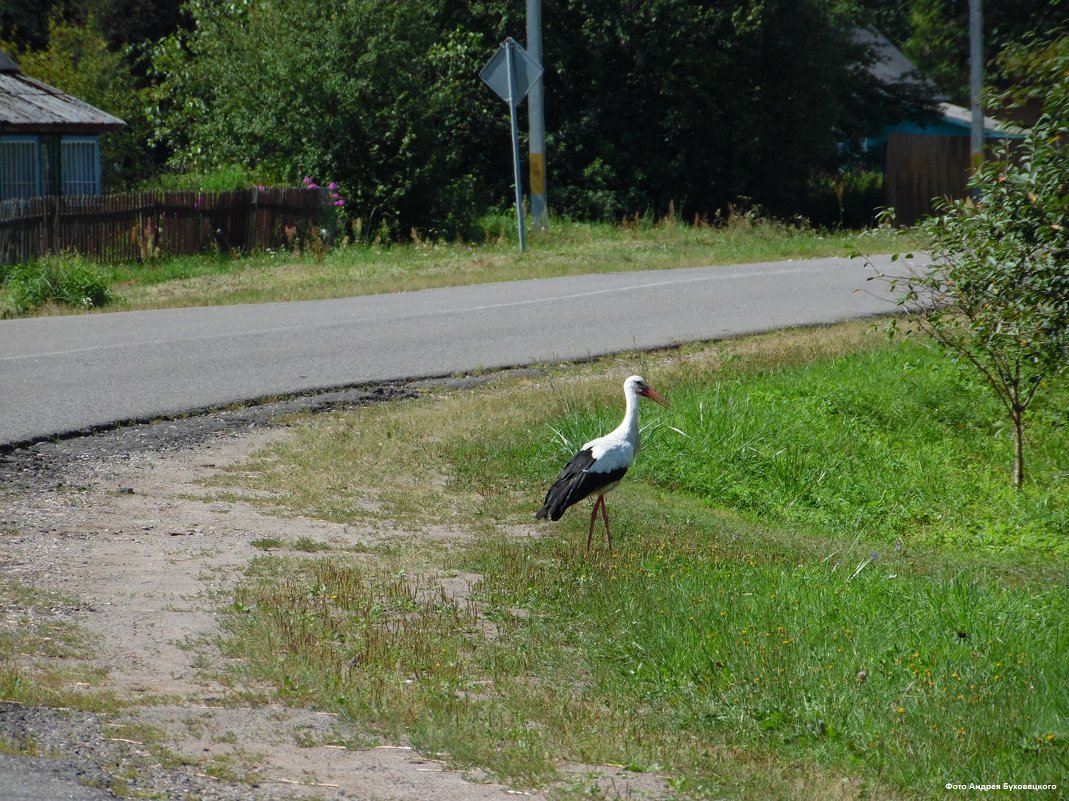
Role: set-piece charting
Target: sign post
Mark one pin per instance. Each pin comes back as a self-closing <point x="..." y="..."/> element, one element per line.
<point x="510" y="73"/>
<point x="510" y="59"/>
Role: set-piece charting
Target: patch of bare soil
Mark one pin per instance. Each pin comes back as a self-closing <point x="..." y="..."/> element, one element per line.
<point x="120" y="524"/>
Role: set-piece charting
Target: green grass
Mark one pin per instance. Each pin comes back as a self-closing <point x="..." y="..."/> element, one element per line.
<point x="76" y="688"/>
<point x="845" y="509"/>
<point x="31" y="627"/>
<point x="65" y="282"/>
<point x="893" y="445"/>
<point x="41" y="655"/>
<point x="306" y="544"/>
<point x="752" y="643"/>
<point x="568" y="248"/>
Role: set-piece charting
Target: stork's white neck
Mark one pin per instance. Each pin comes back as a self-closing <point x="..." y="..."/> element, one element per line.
<point x="628" y="428"/>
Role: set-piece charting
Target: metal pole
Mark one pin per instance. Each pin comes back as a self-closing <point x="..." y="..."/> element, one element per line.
<point x="536" y="122"/>
<point x="976" y="79"/>
<point x="513" y="102"/>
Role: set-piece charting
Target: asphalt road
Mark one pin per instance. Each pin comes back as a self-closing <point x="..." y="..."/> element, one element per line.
<point x="60" y="375"/>
<point x="48" y="779"/>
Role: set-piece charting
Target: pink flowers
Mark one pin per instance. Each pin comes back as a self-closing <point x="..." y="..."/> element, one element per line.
<point x="336" y="198"/>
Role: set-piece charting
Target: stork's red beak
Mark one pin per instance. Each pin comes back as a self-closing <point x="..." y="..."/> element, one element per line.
<point x="655" y="396"/>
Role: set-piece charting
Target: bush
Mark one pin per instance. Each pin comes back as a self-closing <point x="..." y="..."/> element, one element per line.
<point x="223" y="179"/>
<point x="69" y="280"/>
<point x="850" y="199"/>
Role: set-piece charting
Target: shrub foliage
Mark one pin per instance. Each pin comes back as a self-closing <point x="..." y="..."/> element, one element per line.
<point x="69" y="280"/>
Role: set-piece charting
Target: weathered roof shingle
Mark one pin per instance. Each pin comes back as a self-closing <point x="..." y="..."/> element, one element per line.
<point x="29" y="106"/>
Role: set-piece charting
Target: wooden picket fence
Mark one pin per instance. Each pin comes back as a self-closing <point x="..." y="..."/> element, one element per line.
<point x="143" y="225"/>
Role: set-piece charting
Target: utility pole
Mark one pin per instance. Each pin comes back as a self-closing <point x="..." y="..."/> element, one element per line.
<point x="976" y="79"/>
<point x="537" y="126"/>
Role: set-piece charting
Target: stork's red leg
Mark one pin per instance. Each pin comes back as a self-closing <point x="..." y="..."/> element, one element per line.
<point x="605" y="515"/>
<point x="593" y="517"/>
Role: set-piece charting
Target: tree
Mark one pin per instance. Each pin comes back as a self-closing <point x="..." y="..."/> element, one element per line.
<point x="648" y="103"/>
<point x="24" y="23"/>
<point x="134" y="22"/>
<point x="939" y="41"/>
<point x="376" y="96"/>
<point x="701" y="104"/>
<point x="121" y="22"/>
<point x="995" y="294"/>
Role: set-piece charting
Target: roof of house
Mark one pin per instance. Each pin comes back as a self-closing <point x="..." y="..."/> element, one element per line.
<point x="993" y="128"/>
<point x="957" y="121"/>
<point x="29" y="106"/>
<point x="890" y="64"/>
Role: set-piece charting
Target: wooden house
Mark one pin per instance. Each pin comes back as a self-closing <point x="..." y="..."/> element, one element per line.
<point x="923" y="161"/>
<point x="49" y="140"/>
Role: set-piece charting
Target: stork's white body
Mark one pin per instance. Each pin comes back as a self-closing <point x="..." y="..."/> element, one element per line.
<point x="616" y="450"/>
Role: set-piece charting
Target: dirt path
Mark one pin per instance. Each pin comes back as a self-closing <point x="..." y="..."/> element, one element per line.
<point x="119" y="526"/>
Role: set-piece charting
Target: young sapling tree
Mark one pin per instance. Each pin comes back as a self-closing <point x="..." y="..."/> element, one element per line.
<point x="994" y="292"/>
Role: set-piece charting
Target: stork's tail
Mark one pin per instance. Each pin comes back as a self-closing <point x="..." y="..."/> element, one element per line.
<point x="553" y="507"/>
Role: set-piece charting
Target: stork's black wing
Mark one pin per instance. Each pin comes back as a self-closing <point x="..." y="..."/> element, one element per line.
<point x="579" y="479"/>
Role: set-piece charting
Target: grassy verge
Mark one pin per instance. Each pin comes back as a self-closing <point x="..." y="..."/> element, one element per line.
<point x="32" y="628"/>
<point x="836" y="586"/>
<point x="568" y="248"/>
<point x="39" y="653"/>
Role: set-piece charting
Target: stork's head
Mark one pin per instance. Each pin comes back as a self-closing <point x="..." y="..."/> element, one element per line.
<point x="637" y="385"/>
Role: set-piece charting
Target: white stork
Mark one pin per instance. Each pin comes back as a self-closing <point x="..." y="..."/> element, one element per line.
<point x="600" y="463"/>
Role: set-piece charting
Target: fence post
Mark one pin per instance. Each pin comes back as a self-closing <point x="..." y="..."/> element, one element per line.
<point x="253" y="217"/>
